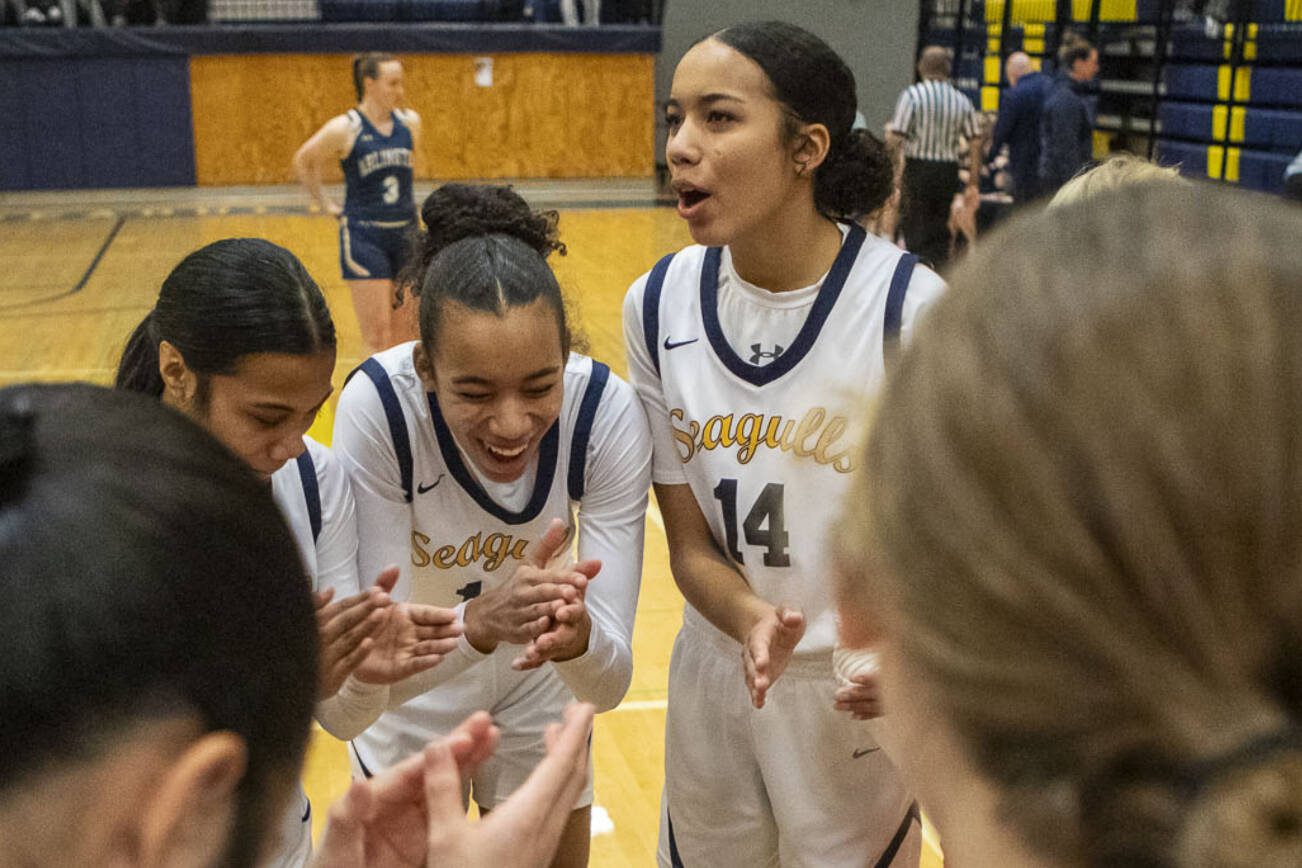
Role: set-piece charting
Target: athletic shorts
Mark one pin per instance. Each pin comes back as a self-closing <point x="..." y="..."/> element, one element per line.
<point x="370" y="250"/>
<point x="522" y="704"/>
<point x="795" y="783"/>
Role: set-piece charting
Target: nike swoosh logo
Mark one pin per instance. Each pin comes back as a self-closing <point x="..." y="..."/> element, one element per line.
<point x="864" y="752"/>
<point x="421" y="489"/>
<point x="674" y="346"/>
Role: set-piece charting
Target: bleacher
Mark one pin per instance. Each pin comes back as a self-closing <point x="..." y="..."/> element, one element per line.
<point x="1222" y="96"/>
<point x="1238" y="117"/>
<point x="100" y="13"/>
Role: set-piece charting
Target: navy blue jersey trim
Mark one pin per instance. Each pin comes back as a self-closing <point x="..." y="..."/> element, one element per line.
<point x="311" y="491"/>
<point x="369" y="127"/>
<point x="583" y="428"/>
<point x="827" y="295"/>
<point x="397" y="422"/>
<point x="655" y="282"/>
<point x="542" y="484"/>
<point x="361" y="763"/>
<point x="895" y="296"/>
<point x="675" y="860"/>
<point x="893" y="848"/>
<point x="307" y="812"/>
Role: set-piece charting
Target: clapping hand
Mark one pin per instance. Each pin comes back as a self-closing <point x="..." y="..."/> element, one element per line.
<point x="768" y="649"/>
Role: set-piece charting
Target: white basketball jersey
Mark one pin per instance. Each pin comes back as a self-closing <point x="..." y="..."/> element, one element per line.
<point x="769" y="449"/>
<point x="463" y="540"/>
<point x="313" y="495"/>
<point x="297" y="491"/>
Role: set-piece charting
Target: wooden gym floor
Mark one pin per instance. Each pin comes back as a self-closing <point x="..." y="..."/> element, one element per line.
<point x="78" y="271"/>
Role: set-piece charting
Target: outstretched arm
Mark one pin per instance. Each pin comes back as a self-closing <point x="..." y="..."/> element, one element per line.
<point x="331" y="142"/>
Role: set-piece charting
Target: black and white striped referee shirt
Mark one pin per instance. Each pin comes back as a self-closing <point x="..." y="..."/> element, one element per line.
<point x="933" y="116"/>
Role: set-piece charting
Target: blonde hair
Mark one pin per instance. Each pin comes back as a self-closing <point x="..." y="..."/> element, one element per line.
<point x="1118" y="170"/>
<point x="1082" y="525"/>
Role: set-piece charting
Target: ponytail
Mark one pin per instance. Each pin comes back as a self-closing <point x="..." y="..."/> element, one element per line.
<point x="856" y="177"/>
<point x="225" y="301"/>
<point x="366" y="66"/>
<point x="138" y="367"/>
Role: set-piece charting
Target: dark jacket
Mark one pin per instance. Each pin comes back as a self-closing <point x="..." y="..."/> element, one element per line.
<point x="1066" y="134"/>
<point x="1018" y="126"/>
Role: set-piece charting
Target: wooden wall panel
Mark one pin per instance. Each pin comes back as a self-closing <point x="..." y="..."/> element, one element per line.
<point x="545" y="115"/>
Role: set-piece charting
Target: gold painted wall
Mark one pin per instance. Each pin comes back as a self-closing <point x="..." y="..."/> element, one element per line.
<point x="545" y="116"/>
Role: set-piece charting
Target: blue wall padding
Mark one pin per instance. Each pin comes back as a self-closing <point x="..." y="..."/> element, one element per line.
<point x="1191" y="158"/>
<point x="1269" y="129"/>
<point x="1186" y="120"/>
<point x="96" y="122"/>
<point x="458" y="38"/>
<point x="1262" y="170"/>
<point x="1191" y="81"/>
<point x="1277" y="86"/>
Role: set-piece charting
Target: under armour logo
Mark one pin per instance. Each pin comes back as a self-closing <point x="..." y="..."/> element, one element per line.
<point x="758" y="354"/>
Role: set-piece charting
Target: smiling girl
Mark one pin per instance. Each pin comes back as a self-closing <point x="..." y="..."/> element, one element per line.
<point x="753" y="354"/>
<point x="240" y="340"/>
<point x="485" y="434"/>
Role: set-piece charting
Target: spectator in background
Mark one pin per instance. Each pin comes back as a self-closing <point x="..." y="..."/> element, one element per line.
<point x="591" y="10"/>
<point x="32" y="13"/>
<point x="1067" y="128"/>
<point x="931" y="119"/>
<point x="1020" y="112"/>
<point x="1293" y="178"/>
<point x="881" y="221"/>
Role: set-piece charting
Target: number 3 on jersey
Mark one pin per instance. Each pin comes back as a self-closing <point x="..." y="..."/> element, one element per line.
<point x="391" y="190"/>
<point x="769" y="510"/>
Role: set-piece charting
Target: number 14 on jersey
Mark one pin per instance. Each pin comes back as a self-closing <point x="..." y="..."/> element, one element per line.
<point x="764" y="526"/>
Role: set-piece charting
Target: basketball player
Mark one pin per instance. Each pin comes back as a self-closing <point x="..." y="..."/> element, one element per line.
<point x="754" y="354"/>
<point x="159" y="672"/>
<point x="241" y="341"/>
<point x="466" y="445"/>
<point x="374" y="143"/>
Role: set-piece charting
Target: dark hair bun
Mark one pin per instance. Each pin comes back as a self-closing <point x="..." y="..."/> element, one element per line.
<point x="457" y="211"/>
<point x="856" y="177"/>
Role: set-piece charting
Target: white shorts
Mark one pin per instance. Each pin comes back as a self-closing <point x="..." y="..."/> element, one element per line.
<point x="795" y="783"/>
<point x="522" y="704"/>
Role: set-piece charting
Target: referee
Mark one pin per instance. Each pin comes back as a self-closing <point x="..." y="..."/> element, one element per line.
<point x="931" y="118"/>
